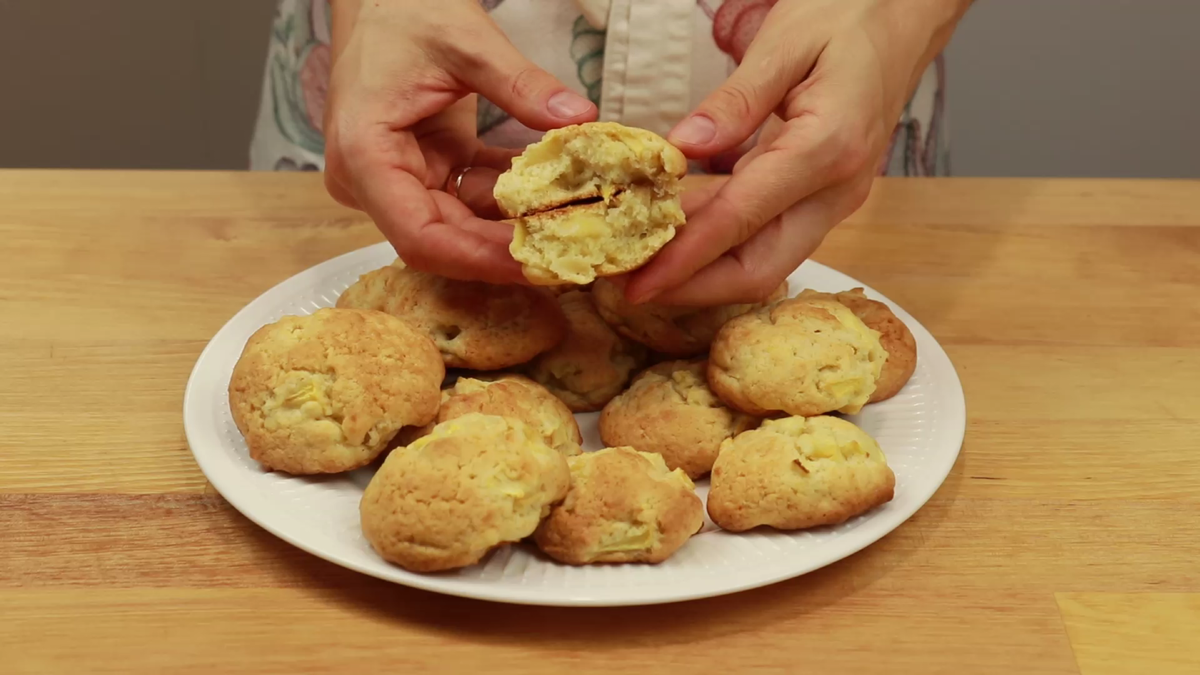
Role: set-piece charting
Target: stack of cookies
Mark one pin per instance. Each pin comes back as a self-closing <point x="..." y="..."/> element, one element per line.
<point x="468" y="390"/>
<point x="753" y="406"/>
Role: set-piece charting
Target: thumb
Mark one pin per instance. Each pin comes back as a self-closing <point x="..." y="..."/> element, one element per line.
<point x="491" y="66"/>
<point x="733" y="112"/>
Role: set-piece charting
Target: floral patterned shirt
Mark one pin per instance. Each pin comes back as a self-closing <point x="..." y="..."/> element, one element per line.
<point x="645" y="64"/>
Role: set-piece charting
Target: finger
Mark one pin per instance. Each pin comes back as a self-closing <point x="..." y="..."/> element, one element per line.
<point x="814" y="150"/>
<point x="758" y="192"/>
<point x="773" y="65"/>
<point x="477" y="187"/>
<point x="412" y="219"/>
<point x="747" y="158"/>
<point x="694" y="199"/>
<point x="485" y="61"/>
<point x="448" y="141"/>
<point x="742" y="274"/>
<point x="456" y="213"/>
<point x="499" y="159"/>
<point x="750" y="272"/>
<point x="476" y="192"/>
<point x="456" y="252"/>
<point x="771" y="130"/>
<point x="478" y="181"/>
<point x="335" y="173"/>
<point x="459" y="252"/>
<point x="618" y="280"/>
<point x="340" y="193"/>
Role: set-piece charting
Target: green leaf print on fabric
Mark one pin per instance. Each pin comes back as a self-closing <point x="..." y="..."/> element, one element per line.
<point x="299" y="75"/>
<point x="487" y="114"/>
<point x="281" y="28"/>
<point x="291" y="117"/>
<point x="587" y="51"/>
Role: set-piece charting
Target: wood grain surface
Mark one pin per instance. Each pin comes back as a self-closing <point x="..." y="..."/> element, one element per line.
<point x="1066" y="539"/>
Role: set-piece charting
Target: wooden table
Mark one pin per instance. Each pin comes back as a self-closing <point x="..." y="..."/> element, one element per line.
<point x="1067" y="538"/>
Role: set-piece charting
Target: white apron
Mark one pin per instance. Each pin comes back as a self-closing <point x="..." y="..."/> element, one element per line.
<point x="643" y="63"/>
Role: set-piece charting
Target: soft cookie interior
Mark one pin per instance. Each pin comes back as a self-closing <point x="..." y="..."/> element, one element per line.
<point x="591" y="200"/>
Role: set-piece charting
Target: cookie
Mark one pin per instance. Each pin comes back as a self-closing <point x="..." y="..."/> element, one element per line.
<point x="800" y="356"/>
<point x="475" y="325"/>
<point x="325" y="393"/>
<point x="592" y="364"/>
<point x="624" y="506"/>
<point x="670" y="410"/>
<point x="562" y="289"/>
<point x="795" y="473"/>
<point x="474" y="483"/>
<point x="676" y="332"/>
<point x="512" y="396"/>
<point x="895" y="337"/>
<point x="591" y="200"/>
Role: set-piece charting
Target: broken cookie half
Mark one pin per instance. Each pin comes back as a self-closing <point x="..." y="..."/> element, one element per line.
<point x="591" y="200"/>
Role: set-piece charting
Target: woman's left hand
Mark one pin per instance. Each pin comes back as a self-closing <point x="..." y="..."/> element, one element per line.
<point x="837" y="75"/>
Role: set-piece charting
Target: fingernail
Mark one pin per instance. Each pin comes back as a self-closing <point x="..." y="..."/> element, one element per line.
<point x="621" y="281"/>
<point x="643" y="296"/>
<point x="567" y="104"/>
<point x="695" y="130"/>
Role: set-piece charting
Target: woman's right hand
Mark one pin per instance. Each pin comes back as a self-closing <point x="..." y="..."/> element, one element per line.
<point x="401" y="117"/>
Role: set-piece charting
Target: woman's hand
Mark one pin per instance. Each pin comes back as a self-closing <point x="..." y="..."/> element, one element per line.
<point x="834" y="77"/>
<point x="401" y="118"/>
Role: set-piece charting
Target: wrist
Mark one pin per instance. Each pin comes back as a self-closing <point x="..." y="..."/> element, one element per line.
<point x="931" y="22"/>
<point x="938" y="15"/>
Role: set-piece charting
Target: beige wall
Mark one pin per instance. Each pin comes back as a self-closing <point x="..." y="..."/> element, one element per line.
<point x="1037" y="87"/>
<point x="130" y="83"/>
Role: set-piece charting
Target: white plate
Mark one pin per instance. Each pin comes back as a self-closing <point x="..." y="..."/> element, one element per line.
<point x="920" y="430"/>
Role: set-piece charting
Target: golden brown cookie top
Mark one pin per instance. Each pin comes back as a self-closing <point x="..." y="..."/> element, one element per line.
<point x="587" y="161"/>
<point x="670" y="410"/>
<point x="325" y="393"/>
<point x="623" y="506"/>
<point x="473" y="483"/>
<point x="895" y="337"/>
<point x="669" y="330"/>
<point x="475" y="325"/>
<point x="802" y="356"/>
<point x="797" y="472"/>
<point x="514" y="396"/>
<point x="592" y="364"/>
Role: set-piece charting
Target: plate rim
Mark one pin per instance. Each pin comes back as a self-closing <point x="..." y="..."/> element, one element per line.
<point x="952" y="413"/>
